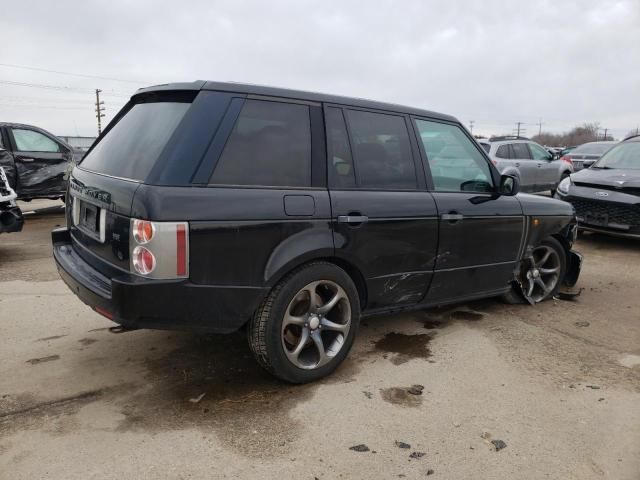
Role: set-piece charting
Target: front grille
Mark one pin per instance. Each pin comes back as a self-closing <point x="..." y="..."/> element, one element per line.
<point x="615" y="213"/>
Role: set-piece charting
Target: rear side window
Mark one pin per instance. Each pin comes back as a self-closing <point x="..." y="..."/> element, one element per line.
<point x="382" y="151"/>
<point x="131" y="148"/>
<point x="32" y="141"/>
<point x="520" y="151"/>
<point x="503" y="151"/>
<point x="270" y="145"/>
<point x="341" y="171"/>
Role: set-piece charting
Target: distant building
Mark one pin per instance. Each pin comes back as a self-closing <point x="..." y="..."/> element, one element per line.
<point x="80" y="143"/>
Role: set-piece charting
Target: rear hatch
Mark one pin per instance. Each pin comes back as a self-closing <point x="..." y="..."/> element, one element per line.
<point x="103" y="185"/>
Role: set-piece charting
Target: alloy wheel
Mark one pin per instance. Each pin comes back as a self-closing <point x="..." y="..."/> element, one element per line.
<point x="543" y="275"/>
<point x="316" y="324"/>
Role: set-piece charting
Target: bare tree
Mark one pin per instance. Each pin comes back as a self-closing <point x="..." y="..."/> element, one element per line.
<point x="587" y="132"/>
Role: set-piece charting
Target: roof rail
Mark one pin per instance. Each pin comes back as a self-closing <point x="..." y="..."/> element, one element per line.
<point x="507" y="137"/>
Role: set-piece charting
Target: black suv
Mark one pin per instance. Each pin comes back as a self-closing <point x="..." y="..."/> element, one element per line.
<point x="213" y="206"/>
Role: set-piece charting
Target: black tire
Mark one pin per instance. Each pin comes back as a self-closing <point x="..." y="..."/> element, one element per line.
<point x="554" y="190"/>
<point x="515" y="296"/>
<point x="264" y="331"/>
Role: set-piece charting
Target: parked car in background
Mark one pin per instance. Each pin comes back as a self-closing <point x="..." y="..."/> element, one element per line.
<point x="213" y="207"/>
<point x="586" y="154"/>
<point x="11" y="219"/>
<point x="35" y="161"/>
<point x="536" y="169"/>
<point x="606" y="196"/>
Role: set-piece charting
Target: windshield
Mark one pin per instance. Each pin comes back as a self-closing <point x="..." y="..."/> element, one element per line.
<point x="132" y="146"/>
<point x="593" y="148"/>
<point x="623" y="155"/>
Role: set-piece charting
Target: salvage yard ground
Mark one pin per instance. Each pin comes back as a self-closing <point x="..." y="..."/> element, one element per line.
<point x="481" y="390"/>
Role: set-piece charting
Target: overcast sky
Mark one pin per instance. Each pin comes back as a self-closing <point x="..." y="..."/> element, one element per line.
<point x="494" y="62"/>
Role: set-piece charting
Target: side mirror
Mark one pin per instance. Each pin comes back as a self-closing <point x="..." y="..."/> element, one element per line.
<point x="509" y="185"/>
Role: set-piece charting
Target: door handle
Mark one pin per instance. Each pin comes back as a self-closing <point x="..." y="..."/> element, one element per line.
<point x="353" y="219"/>
<point x="452" y="217"/>
<point x="517" y="164"/>
<point x="26" y="160"/>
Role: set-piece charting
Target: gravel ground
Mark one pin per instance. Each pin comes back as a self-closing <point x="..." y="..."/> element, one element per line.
<point x="481" y="390"/>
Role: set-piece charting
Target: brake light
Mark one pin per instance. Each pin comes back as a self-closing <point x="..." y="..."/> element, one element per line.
<point x="159" y="250"/>
<point x="181" y="250"/>
<point x="566" y="159"/>
<point x="495" y="162"/>
<point x="144" y="262"/>
<point x="143" y="231"/>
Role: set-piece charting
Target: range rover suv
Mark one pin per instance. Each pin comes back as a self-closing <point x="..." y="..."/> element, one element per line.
<point x="214" y="207"/>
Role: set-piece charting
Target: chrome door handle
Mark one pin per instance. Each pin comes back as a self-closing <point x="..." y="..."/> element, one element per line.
<point x="452" y="217"/>
<point x="26" y="160"/>
<point x="517" y="164"/>
<point x="352" y="219"/>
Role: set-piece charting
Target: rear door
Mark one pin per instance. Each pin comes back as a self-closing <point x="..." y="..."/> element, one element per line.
<point x="480" y="231"/>
<point x="41" y="163"/>
<point x="384" y="220"/>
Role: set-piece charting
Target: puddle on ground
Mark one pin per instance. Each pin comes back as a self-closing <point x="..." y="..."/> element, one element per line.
<point x="401" y="396"/>
<point x="46" y="339"/>
<point x="405" y="347"/>
<point x="37" y="361"/>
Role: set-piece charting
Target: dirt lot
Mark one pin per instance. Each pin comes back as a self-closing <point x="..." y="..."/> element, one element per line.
<point x="559" y="384"/>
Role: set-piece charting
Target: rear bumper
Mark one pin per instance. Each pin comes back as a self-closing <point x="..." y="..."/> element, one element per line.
<point x="136" y="302"/>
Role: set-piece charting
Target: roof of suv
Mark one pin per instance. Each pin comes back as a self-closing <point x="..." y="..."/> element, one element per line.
<point x="295" y="94"/>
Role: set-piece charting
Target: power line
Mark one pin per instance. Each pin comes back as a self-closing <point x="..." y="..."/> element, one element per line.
<point x="59" y="88"/>
<point x="83" y="75"/>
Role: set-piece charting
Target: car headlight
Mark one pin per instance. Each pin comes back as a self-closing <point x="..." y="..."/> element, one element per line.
<point x="563" y="186"/>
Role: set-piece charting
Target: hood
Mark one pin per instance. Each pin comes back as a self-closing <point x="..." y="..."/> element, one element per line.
<point x="615" y="179"/>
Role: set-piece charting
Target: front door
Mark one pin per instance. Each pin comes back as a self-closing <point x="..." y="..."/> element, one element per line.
<point x="527" y="167"/>
<point x="547" y="175"/>
<point x="480" y="231"/>
<point x="41" y="163"/>
<point x="384" y="220"/>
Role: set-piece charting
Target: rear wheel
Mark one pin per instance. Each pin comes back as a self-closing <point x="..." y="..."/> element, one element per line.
<point x="306" y="326"/>
<point x="541" y="274"/>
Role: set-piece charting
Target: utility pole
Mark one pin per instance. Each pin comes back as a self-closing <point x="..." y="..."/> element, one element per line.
<point x="519" y="128"/>
<point x="99" y="110"/>
<point x="605" y="134"/>
<point x="471" y="122"/>
<point x="540" y="127"/>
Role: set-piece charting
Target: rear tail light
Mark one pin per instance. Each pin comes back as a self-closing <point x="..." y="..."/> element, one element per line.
<point x="144" y="262"/>
<point x="566" y="159"/>
<point x="159" y="250"/>
<point x="495" y="162"/>
<point x="143" y="231"/>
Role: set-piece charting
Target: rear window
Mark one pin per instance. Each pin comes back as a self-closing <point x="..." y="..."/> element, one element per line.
<point x="132" y="146"/>
<point x="592" y="148"/>
<point x="270" y="145"/>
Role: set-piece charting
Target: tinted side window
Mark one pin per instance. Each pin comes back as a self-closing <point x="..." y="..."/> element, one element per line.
<point x="503" y="151"/>
<point x="520" y="151"/>
<point x="270" y="145"/>
<point x="382" y="150"/>
<point x="340" y="165"/>
<point x="31" y="141"/>
<point x="455" y="163"/>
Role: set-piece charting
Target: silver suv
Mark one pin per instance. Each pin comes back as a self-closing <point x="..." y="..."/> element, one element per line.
<point x="536" y="168"/>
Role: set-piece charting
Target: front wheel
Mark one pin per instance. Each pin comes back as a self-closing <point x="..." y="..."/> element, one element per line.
<point x="306" y="325"/>
<point x="541" y="273"/>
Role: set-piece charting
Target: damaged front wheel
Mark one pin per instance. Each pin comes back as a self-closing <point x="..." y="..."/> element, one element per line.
<point x="541" y="273"/>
